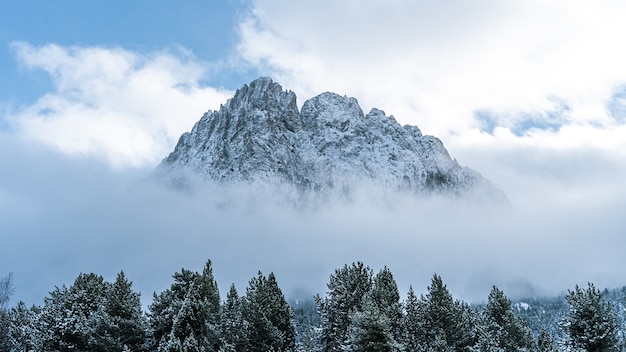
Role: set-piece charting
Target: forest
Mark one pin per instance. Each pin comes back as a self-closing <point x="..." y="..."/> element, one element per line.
<point x="361" y="311"/>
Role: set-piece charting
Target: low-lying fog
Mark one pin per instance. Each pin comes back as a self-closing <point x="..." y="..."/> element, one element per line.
<point x="61" y="216"/>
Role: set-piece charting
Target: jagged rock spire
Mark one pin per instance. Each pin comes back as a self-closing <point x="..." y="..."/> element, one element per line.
<point x="329" y="146"/>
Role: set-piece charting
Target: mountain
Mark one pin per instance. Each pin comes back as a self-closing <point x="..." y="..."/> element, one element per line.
<point x="329" y="147"/>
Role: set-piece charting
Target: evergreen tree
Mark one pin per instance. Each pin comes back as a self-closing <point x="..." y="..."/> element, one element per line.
<point x="509" y="332"/>
<point x="69" y="317"/>
<point x="446" y="324"/>
<point x="6" y="290"/>
<point x="233" y="329"/>
<point x="346" y="289"/>
<point x="370" y="329"/>
<point x="545" y="343"/>
<point x="591" y="324"/>
<point x="4" y="331"/>
<point x="189" y="308"/>
<point x="387" y="297"/>
<point x="268" y="316"/>
<point x="121" y="322"/>
<point x="23" y="332"/>
<point x="411" y="322"/>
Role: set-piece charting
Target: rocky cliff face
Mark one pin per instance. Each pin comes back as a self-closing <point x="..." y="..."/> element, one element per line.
<point x="329" y="147"/>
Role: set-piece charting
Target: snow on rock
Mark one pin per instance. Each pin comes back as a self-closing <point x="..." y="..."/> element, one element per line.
<point x="329" y="147"/>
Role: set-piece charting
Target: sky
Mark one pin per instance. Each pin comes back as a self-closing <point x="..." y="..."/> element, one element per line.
<point x="532" y="94"/>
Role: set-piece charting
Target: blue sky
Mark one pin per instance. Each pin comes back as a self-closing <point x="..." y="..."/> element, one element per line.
<point x="207" y="28"/>
<point x="529" y="93"/>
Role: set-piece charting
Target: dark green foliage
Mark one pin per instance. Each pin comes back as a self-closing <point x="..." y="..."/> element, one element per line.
<point x="591" y="324"/>
<point x="268" y="316"/>
<point x="123" y="324"/>
<point x="361" y="312"/>
<point x="4" y="331"/>
<point x="346" y="289"/>
<point x="24" y="334"/>
<point x="6" y="290"/>
<point x="233" y="328"/>
<point x="507" y="331"/>
<point x="69" y="316"/>
<point x="187" y="314"/>
<point x="411" y="322"/>
<point x="385" y="295"/>
<point x="91" y="315"/>
<point x="545" y="343"/>
<point x="446" y="324"/>
<point x="370" y="330"/>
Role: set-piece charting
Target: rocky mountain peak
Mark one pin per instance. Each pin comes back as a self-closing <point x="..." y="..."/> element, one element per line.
<point x="329" y="147"/>
<point x="264" y="95"/>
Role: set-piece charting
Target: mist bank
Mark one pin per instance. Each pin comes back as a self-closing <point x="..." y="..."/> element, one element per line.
<point x="63" y="216"/>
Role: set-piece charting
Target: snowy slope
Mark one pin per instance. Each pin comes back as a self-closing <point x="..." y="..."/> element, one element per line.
<point x="330" y="147"/>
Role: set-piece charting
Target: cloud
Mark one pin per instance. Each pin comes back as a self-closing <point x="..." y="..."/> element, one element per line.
<point x="438" y="64"/>
<point x="111" y="103"/>
<point x="63" y="224"/>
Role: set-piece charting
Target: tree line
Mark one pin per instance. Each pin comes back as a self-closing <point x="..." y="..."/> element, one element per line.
<point x="360" y="311"/>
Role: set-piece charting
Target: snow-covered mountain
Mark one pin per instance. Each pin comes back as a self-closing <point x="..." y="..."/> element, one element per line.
<point x="329" y="147"/>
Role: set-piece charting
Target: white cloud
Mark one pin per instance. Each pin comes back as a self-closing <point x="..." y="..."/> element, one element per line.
<point x="114" y="104"/>
<point x="435" y="64"/>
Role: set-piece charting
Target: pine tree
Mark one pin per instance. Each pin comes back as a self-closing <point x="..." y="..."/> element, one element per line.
<point x="232" y="324"/>
<point x="69" y="317"/>
<point x="23" y="332"/>
<point x="446" y="324"/>
<point x="346" y="290"/>
<point x="590" y="324"/>
<point x="386" y="296"/>
<point x="190" y="306"/>
<point x="545" y="343"/>
<point x="268" y="316"/>
<point x="411" y="322"/>
<point x="121" y="322"/>
<point x="6" y="290"/>
<point x="4" y="331"/>
<point x="509" y="332"/>
<point x="210" y="307"/>
<point x="370" y="329"/>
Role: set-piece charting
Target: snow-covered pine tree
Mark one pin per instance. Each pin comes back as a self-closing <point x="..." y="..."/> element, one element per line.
<point x="233" y="329"/>
<point x="346" y="289"/>
<point x="545" y="342"/>
<point x="590" y="324"/>
<point x="412" y="323"/>
<point x="122" y="322"/>
<point x="23" y="332"/>
<point x="210" y="307"/>
<point x="4" y="331"/>
<point x="387" y="297"/>
<point x="6" y="290"/>
<point x="268" y="316"/>
<point x="190" y="305"/>
<point x="69" y="317"/>
<point x="446" y="323"/>
<point x="370" y="329"/>
<point x="509" y="332"/>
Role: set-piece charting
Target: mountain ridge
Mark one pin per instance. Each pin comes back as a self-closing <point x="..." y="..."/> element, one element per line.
<point x="329" y="146"/>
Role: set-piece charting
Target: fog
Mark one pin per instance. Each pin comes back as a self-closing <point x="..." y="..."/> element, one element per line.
<point x="65" y="215"/>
